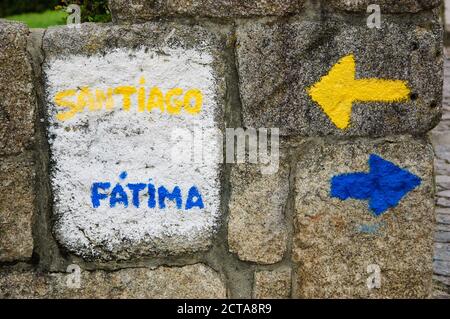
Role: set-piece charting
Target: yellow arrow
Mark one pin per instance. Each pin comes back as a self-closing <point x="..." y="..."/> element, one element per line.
<point x="337" y="91"/>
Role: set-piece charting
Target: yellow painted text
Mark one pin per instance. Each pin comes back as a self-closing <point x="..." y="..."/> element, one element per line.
<point x="173" y="101"/>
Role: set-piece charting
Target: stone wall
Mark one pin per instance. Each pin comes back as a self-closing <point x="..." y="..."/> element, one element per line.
<point x="440" y="138"/>
<point x="94" y="203"/>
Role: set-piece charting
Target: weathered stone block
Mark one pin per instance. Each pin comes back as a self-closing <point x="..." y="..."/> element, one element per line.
<point x="257" y="229"/>
<point x="340" y="245"/>
<point x="17" y="99"/>
<point x="387" y="6"/>
<point x="195" y="281"/>
<point x="274" y="284"/>
<point x="280" y="63"/>
<point x="145" y="10"/>
<point x="123" y="102"/>
<point x="17" y="197"/>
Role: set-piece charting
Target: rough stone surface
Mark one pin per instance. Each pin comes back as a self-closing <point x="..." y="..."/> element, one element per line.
<point x="387" y="6"/>
<point x="16" y="207"/>
<point x="17" y="100"/>
<point x="441" y="142"/>
<point x="335" y="241"/>
<point x="97" y="146"/>
<point x="196" y="281"/>
<point x="257" y="229"/>
<point x="279" y="60"/>
<point x="91" y="38"/>
<point x="274" y="284"/>
<point x="145" y="10"/>
<point x="446" y="18"/>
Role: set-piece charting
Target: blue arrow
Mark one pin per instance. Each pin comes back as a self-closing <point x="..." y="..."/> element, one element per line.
<point x="384" y="186"/>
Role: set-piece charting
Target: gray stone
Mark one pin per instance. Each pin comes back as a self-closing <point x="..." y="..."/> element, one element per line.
<point x="443" y="280"/>
<point x="442" y="237"/>
<point x="337" y="240"/>
<point x="442" y="154"/>
<point x="445" y="194"/>
<point x="272" y="284"/>
<point x="441" y="140"/>
<point x="441" y="227"/>
<point x="17" y="197"/>
<point x="442" y="252"/>
<point x="443" y="211"/>
<point x="443" y="219"/>
<point x="279" y="60"/>
<point x="97" y="39"/>
<point x="387" y="6"/>
<point x="441" y="287"/>
<point x="17" y="99"/>
<point x="145" y="10"/>
<point x="442" y="268"/>
<point x="443" y="202"/>
<point x="444" y="125"/>
<point x="96" y="146"/>
<point x="443" y="181"/>
<point x="257" y="229"/>
<point x="441" y="166"/>
<point x="196" y="281"/>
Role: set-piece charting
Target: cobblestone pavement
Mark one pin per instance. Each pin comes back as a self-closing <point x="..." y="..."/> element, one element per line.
<point x="441" y="140"/>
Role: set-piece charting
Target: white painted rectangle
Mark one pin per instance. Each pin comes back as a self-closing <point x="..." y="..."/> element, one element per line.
<point x="95" y="146"/>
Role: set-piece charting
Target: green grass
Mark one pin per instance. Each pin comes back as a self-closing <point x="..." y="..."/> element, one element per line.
<point x="41" y="20"/>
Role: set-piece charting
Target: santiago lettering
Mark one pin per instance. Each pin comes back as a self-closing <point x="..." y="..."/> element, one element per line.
<point x="172" y="102"/>
<point x="156" y="196"/>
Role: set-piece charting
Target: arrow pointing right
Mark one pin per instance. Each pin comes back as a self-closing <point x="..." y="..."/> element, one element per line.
<point x="384" y="186"/>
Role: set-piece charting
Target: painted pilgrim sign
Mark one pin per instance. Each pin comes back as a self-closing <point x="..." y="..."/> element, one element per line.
<point x="117" y="190"/>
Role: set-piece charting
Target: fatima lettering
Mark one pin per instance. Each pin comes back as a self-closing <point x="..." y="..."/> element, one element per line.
<point x="129" y="194"/>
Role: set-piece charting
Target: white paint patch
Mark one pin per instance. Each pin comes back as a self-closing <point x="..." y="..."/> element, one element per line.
<point x="98" y="146"/>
